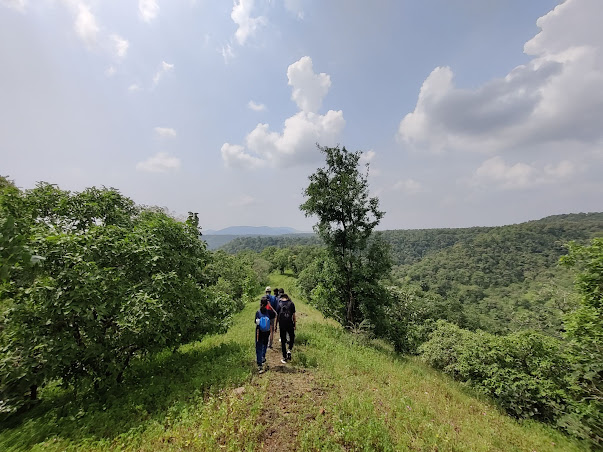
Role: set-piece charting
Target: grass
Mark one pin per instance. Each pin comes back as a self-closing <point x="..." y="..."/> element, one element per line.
<point x="349" y="393"/>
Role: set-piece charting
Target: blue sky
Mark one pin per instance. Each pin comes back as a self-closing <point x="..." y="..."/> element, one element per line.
<point x="468" y="112"/>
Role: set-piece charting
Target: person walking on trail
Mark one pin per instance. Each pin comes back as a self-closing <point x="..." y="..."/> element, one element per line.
<point x="287" y="323"/>
<point x="264" y="319"/>
<point x="272" y="304"/>
<point x="278" y="293"/>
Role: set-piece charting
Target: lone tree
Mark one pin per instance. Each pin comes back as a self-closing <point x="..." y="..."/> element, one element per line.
<point x="338" y="195"/>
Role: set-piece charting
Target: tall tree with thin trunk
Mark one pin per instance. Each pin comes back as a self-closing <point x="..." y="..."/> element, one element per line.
<point x="338" y="195"/>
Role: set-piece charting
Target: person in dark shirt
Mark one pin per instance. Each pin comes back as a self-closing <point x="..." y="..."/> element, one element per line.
<point x="287" y="322"/>
<point x="261" y="337"/>
<point x="272" y="304"/>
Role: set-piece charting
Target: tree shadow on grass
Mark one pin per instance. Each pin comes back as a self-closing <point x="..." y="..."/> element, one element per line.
<point x="165" y="385"/>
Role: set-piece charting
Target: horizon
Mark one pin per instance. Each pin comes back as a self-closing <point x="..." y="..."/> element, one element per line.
<point x="398" y="229"/>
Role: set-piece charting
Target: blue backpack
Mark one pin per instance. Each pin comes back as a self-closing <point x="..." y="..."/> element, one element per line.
<point x="264" y="323"/>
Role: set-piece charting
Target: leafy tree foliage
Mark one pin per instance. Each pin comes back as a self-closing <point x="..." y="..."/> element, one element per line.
<point x="412" y="315"/>
<point x="585" y="331"/>
<point x="524" y="372"/>
<point x="116" y="281"/>
<point x="259" y="243"/>
<point x="338" y="195"/>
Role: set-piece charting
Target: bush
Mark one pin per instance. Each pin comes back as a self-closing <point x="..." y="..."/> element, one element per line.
<point x="525" y="372"/>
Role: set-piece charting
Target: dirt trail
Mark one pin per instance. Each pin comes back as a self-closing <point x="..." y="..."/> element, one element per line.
<point x="295" y="398"/>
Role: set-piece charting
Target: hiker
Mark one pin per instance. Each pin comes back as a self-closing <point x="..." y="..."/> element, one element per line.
<point x="264" y="319"/>
<point x="278" y="293"/>
<point x="287" y="321"/>
<point x="272" y="304"/>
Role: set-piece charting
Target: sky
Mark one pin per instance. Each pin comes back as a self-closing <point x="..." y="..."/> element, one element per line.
<point x="468" y="112"/>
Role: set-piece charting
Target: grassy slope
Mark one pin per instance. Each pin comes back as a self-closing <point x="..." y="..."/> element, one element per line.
<point x="352" y="395"/>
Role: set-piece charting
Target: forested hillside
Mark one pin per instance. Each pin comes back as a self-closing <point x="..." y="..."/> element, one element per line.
<point x="411" y="245"/>
<point x="258" y="243"/>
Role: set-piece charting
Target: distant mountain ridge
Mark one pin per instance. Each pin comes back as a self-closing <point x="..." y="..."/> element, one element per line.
<point x="252" y="230"/>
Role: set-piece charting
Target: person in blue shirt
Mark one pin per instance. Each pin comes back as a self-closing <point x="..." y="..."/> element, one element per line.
<point x="264" y="321"/>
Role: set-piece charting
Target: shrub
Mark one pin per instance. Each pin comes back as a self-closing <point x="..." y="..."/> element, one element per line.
<point x="524" y="372"/>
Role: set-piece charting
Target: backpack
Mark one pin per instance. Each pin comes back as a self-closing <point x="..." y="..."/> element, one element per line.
<point x="285" y="312"/>
<point x="264" y="323"/>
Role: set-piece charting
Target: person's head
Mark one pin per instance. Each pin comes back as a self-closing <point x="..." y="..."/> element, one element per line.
<point x="281" y="291"/>
<point x="269" y="289"/>
<point x="263" y="302"/>
<point x="284" y="297"/>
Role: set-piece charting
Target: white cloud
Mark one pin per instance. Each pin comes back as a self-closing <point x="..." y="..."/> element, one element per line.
<point x="18" y="5"/>
<point x="165" y="132"/>
<point x="297" y="142"/>
<point x="148" y="10"/>
<point x="247" y="25"/>
<point x="164" y="69"/>
<point x="110" y="72"/>
<point x="295" y="145"/>
<point x="556" y="97"/>
<point x="159" y="163"/>
<point x="256" y="107"/>
<point x="120" y="46"/>
<point x="295" y="7"/>
<point x="409" y="186"/>
<point x="85" y="22"/>
<point x="495" y="172"/>
<point x="134" y="87"/>
<point x="309" y="88"/>
<point x="234" y="156"/>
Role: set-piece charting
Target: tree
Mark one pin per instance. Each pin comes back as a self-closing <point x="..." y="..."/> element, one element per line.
<point x="116" y="282"/>
<point x="338" y="195"/>
<point x="585" y="331"/>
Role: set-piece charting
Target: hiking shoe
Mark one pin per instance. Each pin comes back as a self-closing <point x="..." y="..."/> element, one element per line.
<point x="288" y="355"/>
<point x="260" y="369"/>
<point x="284" y="361"/>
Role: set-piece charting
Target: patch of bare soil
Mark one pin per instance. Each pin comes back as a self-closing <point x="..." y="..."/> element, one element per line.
<point x="294" y="398"/>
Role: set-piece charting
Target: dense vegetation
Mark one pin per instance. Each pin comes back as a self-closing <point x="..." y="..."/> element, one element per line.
<point x="90" y="282"/>
<point x="497" y="311"/>
<point x="259" y="243"/>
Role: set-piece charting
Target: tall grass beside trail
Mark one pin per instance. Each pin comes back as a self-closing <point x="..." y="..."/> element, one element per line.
<point x="370" y="399"/>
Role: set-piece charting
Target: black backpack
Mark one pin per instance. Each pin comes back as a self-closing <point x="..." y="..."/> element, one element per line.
<point x="286" y="314"/>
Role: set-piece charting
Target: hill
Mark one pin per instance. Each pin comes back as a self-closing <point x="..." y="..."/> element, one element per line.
<point x="258" y="243"/>
<point x="502" y="279"/>
<point x="409" y="246"/>
<point x="217" y="239"/>
<point x="341" y="392"/>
